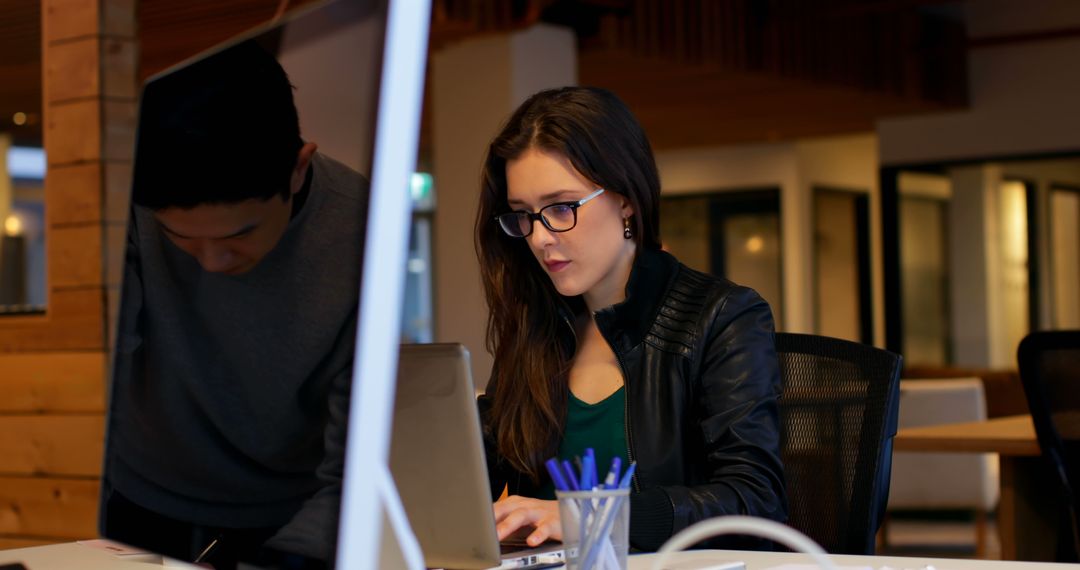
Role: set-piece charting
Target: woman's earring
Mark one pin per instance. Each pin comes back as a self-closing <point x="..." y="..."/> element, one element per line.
<point x="626" y="233"/>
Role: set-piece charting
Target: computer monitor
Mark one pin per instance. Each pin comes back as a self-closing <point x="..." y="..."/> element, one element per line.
<point x="243" y="317"/>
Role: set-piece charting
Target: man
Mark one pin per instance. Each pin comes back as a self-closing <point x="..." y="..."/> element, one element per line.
<point x="237" y="324"/>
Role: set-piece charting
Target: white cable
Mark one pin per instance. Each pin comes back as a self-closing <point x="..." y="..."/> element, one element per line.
<point x="754" y="526"/>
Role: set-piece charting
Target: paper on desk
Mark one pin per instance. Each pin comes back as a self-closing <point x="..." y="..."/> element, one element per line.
<point x="114" y="548"/>
<point x="130" y="553"/>
<point x="815" y="567"/>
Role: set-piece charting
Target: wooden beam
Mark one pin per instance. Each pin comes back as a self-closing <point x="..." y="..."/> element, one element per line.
<point x="48" y="507"/>
<point x="52" y="393"/>
<point x="53" y="382"/>
<point x="69" y="19"/>
<point x="75" y="256"/>
<point x="10" y="542"/>
<point x="52" y="445"/>
<point x="72" y="203"/>
<point x="73" y="70"/>
<point x="74" y="320"/>
<point x="72" y="133"/>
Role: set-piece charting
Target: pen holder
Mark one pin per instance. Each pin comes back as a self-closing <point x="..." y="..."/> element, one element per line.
<point x="596" y="528"/>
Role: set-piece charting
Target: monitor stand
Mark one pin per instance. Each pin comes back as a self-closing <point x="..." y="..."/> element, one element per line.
<point x="398" y="548"/>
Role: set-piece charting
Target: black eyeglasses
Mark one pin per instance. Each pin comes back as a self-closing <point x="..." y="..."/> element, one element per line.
<point x="558" y="217"/>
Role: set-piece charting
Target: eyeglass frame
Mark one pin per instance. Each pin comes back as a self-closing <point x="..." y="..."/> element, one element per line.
<point x="539" y="215"/>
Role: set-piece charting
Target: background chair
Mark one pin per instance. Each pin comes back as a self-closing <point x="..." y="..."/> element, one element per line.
<point x="1050" y="371"/>
<point x="944" y="481"/>
<point x="838" y="413"/>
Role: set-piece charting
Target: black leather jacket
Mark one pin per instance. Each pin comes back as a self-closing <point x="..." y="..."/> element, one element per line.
<point x="699" y="365"/>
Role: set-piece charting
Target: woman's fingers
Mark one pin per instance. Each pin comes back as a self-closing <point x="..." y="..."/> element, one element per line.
<point x="516" y="512"/>
<point x="506" y="506"/>
<point x="514" y="520"/>
<point x="542" y="533"/>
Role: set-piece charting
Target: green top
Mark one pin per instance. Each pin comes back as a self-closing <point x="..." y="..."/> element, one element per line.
<point x="600" y="426"/>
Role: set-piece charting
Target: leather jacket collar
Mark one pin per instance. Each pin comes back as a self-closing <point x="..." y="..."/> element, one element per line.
<point x="629" y="321"/>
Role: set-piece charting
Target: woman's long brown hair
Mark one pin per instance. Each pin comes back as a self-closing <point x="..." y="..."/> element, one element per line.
<point x="528" y="321"/>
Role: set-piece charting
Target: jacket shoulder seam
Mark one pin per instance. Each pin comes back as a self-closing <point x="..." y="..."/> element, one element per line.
<point x="676" y="326"/>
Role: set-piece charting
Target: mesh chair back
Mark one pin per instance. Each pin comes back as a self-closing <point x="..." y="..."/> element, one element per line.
<point x="838" y="412"/>
<point x="1050" y="372"/>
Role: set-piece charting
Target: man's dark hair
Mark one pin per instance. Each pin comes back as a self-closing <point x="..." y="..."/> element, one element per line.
<point x="219" y="131"/>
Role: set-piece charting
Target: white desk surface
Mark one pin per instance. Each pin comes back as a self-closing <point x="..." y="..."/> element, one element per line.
<point x="702" y="559"/>
<point x="75" y="556"/>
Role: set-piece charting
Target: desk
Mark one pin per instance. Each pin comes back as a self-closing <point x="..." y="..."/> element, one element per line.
<point x="71" y="556"/>
<point x="1027" y="512"/>
<point x="761" y="560"/>
<point x="1011" y="436"/>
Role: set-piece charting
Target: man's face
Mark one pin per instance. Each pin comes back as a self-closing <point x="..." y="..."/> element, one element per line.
<point x="227" y="238"/>
<point x="233" y="238"/>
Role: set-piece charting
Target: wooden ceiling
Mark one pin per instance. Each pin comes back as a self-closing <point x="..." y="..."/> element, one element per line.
<point x="696" y="72"/>
<point x="172" y="31"/>
<point x="712" y="72"/>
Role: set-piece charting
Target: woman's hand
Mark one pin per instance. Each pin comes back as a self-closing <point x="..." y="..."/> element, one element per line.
<point x="516" y="512"/>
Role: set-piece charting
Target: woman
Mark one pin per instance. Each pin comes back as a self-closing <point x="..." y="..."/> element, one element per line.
<point x="603" y="340"/>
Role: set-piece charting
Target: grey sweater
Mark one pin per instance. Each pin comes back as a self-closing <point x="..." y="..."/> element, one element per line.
<point x="230" y="393"/>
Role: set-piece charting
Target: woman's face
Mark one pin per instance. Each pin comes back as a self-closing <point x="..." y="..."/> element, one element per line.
<point x="592" y="259"/>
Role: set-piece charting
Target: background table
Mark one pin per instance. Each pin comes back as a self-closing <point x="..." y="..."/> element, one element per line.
<point x="1029" y="506"/>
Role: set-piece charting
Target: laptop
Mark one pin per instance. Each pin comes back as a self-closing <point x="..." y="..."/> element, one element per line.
<point x="438" y="463"/>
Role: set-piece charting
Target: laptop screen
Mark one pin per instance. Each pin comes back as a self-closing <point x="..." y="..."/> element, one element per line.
<point x="236" y="338"/>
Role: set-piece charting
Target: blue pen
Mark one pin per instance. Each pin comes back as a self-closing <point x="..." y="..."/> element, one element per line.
<point x="612" y="478"/>
<point x="624" y="483"/>
<point x="587" y="470"/>
<point x="556" y="474"/>
<point x="570" y="477"/>
<point x="594" y="480"/>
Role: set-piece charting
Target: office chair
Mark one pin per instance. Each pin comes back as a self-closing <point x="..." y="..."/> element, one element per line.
<point x="838" y="414"/>
<point x="1050" y="372"/>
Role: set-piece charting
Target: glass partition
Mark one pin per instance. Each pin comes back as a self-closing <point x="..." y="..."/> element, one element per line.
<point x="732" y="234"/>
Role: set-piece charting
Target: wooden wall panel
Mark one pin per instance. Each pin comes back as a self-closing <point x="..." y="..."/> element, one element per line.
<point x="7" y="543"/>
<point x="118" y="18"/>
<point x="115" y="251"/>
<point x="53" y="382"/>
<point x="119" y="61"/>
<point x="52" y="445"/>
<point x="117" y="192"/>
<point x="63" y="508"/>
<point x="112" y="304"/>
<point x="53" y="366"/>
<point x="72" y="133"/>
<point x="71" y="202"/>
<point x="119" y="130"/>
<point x="74" y="70"/>
<point x="67" y="19"/>
<point x="75" y="321"/>
<point x="75" y="256"/>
